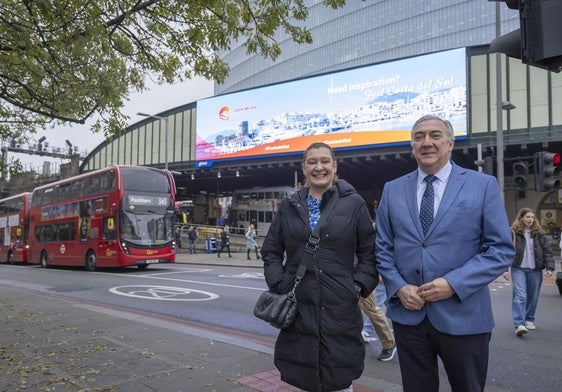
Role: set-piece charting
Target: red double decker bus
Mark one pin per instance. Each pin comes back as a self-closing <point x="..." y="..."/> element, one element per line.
<point x="114" y="217"/>
<point x="14" y="228"/>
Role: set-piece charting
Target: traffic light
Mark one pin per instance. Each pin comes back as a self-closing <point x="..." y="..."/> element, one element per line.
<point x="547" y="170"/>
<point x="40" y="143"/>
<point x="69" y="147"/>
<point x="487" y="165"/>
<point x="538" y="42"/>
<point x="520" y="173"/>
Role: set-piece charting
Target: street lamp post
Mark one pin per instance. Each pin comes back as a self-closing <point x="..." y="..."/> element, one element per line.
<point x="166" y="120"/>
<point x="499" y="113"/>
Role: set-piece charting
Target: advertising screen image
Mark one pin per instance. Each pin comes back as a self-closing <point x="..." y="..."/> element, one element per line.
<point x="363" y="107"/>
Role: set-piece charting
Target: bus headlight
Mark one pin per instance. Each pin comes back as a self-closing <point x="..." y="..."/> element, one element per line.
<point x="125" y="248"/>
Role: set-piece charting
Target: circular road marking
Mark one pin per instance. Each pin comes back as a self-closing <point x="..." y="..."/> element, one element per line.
<point x="163" y="293"/>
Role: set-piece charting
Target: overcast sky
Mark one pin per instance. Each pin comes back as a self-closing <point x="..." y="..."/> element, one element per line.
<point x="153" y="101"/>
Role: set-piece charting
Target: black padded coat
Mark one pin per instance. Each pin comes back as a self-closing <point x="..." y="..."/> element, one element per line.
<point x="543" y="251"/>
<point x="323" y="350"/>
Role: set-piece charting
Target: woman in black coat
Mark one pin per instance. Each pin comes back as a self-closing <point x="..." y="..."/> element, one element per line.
<point x="225" y="242"/>
<point x="323" y="350"/>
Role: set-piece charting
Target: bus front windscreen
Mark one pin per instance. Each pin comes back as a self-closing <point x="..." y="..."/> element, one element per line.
<point x="147" y="220"/>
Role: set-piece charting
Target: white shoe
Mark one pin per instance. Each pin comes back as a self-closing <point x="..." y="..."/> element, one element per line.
<point x="367" y="338"/>
<point x="530" y="325"/>
<point x="520" y="330"/>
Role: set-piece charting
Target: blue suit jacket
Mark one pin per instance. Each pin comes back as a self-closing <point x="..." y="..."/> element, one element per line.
<point x="469" y="244"/>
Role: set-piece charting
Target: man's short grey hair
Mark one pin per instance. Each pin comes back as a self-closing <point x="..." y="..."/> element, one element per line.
<point x="448" y="125"/>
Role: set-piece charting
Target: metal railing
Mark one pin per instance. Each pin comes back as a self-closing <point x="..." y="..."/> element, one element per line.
<point x="204" y="232"/>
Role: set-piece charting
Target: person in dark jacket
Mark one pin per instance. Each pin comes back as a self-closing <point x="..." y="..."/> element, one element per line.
<point x="192" y="235"/>
<point x="177" y="236"/>
<point x="225" y="241"/>
<point x="323" y="349"/>
<point x="533" y="253"/>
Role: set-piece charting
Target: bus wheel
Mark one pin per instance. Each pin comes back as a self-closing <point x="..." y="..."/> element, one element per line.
<point x="43" y="260"/>
<point x="91" y="261"/>
<point x="10" y="258"/>
<point x="142" y="267"/>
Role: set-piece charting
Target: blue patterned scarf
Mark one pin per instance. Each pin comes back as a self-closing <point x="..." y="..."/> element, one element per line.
<point x="313" y="211"/>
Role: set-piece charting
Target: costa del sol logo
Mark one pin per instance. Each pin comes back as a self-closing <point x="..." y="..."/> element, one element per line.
<point x="224" y="113"/>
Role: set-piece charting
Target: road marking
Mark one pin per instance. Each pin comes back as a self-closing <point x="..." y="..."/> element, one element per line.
<point x="176" y="272"/>
<point x="245" y="275"/>
<point x="163" y="293"/>
<point x="207" y="283"/>
<point x="146" y="276"/>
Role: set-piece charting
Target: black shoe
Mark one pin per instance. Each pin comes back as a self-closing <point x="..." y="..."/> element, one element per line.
<point x="229" y="255"/>
<point x="387" y="354"/>
<point x="218" y="255"/>
<point x="249" y="258"/>
<point x="257" y="258"/>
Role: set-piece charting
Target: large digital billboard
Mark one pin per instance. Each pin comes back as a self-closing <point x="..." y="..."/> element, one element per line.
<point x="363" y="107"/>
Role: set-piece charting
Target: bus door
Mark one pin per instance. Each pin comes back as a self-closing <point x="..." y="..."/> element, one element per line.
<point x="108" y="246"/>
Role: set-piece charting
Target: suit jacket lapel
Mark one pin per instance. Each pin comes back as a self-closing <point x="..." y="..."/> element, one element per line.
<point x="454" y="185"/>
<point x="412" y="200"/>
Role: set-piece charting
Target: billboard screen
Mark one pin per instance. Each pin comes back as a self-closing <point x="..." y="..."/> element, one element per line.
<point x="359" y="108"/>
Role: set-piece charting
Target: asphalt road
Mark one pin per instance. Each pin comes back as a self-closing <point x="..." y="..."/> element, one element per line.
<point x="222" y="297"/>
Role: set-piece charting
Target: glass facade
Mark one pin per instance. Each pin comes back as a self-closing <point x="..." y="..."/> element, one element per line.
<point x="534" y="92"/>
<point x="364" y="33"/>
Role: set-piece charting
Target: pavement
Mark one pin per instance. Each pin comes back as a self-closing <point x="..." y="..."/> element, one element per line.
<point x="54" y="343"/>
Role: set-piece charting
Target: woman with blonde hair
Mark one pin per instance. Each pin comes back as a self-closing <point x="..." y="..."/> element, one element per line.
<point x="252" y="243"/>
<point x="533" y="254"/>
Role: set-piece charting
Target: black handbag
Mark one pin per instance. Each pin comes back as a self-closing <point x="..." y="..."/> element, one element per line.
<point x="280" y="310"/>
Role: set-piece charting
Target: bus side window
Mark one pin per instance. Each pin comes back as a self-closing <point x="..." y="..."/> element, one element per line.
<point x="66" y="231"/>
<point x="44" y="233"/>
<point x="109" y="228"/>
<point x="268" y="217"/>
<point x="254" y="217"/>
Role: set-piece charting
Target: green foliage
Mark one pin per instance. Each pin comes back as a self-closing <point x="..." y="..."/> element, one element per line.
<point x="62" y="61"/>
<point x="65" y="61"/>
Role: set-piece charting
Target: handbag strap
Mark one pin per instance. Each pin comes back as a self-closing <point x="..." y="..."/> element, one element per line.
<point x="314" y="239"/>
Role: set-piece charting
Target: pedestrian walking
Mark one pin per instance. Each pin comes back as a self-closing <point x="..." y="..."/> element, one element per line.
<point x="251" y="243"/>
<point x="533" y="254"/>
<point x="192" y="235"/>
<point x="177" y="236"/>
<point x="225" y="241"/>
<point x="377" y="321"/>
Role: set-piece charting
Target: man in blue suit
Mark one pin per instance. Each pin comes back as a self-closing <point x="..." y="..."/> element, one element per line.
<point x="440" y="241"/>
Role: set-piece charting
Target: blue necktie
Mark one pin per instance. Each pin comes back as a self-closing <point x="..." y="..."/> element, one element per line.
<point x="426" y="207"/>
